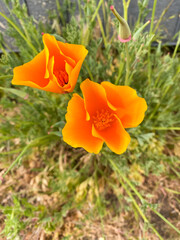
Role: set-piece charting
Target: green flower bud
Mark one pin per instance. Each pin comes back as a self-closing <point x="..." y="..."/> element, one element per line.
<point x="124" y="30"/>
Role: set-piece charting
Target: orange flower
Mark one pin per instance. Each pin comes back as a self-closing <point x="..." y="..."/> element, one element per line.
<point x="102" y="116"/>
<point x="54" y="69"/>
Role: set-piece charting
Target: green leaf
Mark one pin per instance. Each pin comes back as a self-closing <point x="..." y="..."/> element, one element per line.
<point x="16" y="92"/>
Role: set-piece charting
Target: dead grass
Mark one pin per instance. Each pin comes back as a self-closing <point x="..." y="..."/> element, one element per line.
<point x="33" y="185"/>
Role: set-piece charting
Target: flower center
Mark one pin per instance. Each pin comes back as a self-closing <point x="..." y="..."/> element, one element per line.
<point x="103" y="119"/>
<point x="62" y="77"/>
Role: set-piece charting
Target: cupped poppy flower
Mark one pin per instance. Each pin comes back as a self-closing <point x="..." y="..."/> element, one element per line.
<point x="102" y="116"/>
<point x="54" y="69"/>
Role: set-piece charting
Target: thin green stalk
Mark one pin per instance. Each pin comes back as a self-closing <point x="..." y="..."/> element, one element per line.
<point x="89" y="71"/>
<point x="166" y="128"/>
<point x="127" y="64"/>
<point x="152" y="17"/>
<point x="11" y="152"/>
<point x="96" y="12"/>
<point x="143" y="201"/>
<point x="125" y="7"/>
<point x="121" y="67"/>
<point x="162" y="15"/>
<point x="36" y="142"/>
<point x="165" y="220"/>
<point x="6" y="76"/>
<point x="60" y="13"/>
<point x="149" y="48"/>
<point x="163" y="96"/>
<point x="102" y="30"/>
<point x="19" y="31"/>
<point x="25" y="30"/>
<point x="16" y="160"/>
<point x="134" y="201"/>
<point x="177" y="46"/>
<point x="85" y="39"/>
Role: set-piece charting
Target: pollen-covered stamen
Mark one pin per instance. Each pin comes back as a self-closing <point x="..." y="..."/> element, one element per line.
<point x="62" y="77"/>
<point x="103" y="119"/>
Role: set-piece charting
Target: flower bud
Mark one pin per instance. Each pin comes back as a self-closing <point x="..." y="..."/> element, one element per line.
<point x="124" y="30"/>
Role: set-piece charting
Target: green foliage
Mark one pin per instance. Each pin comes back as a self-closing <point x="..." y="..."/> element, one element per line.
<point x="36" y="117"/>
<point x="18" y="216"/>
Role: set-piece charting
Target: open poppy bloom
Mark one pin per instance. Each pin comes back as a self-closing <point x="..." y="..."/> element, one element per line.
<point x="102" y="116"/>
<point x="54" y="69"/>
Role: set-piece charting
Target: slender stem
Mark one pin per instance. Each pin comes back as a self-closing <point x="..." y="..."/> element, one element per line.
<point x="149" y="48"/>
<point x="89" y="71"/>
<point x="166" y="128"/>
<point x="143" y="201"/>
<point x="121" y="67"/>
<point x="125" y="7"/>
<point x="152" y="17"/>
<point x="85" y="39"/>
<point x="134" y="201"/>
<point x="177" y="46"/>
<point x="6" y="76"/>
<point x="102" y="30"/>
<point x="127" y="64"/>
<point x="60" y="12"/>
<point x="19" y="31"/>
<point x="96" y="12"/>
<point x="16" y="160"/>
<point x="162" y="15"/>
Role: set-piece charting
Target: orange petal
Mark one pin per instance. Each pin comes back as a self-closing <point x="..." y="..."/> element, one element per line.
<point x="130" y="107"/>
<point x="32" y="73"/>
<point x="77" y="131"/>
<point x="94" y="97"/>
<point x="52" y="49"/>
<point x="133" y="114"/>
<point x="76" y="52"/>
<point x="115" y="136"/>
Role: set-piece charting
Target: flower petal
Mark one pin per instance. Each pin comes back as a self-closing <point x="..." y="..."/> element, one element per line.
<point x="32" y="73"/>
<point x="130" y="107"/>
<point x="77" y="52"/>
<point x="94" y="97"/>
<point x="77" y="131"/>
<point x="133" y="114"/>
<point x="52" y="49"/>
<point x="115" y="136"/>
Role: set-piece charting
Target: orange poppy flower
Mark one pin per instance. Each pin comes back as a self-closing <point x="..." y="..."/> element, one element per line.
<point x="102" y="116"/>
<point x="54" y="69"/>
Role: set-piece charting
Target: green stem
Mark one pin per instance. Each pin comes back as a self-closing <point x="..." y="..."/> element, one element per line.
<point x="125" y="7"/>
<point x="86" y="35"/>
<point x="89" y="71"/>
<point x="16" y="160"/>
<point x="102" y="30"/>
<point x="177" y="46"/>
<point x="6" y="76"/>
<point x="134" y="201"/>
<point x="162" y="15"/>
<point x="127" y="64"/>
<point x="143" y="201"/>
<point x="149" y="48"/>
<point x="60" y="12"/>
<point x="166" y="128"/>
<point x="152" y="17"/>
<point x="96" y="12"/>
<point x="19" y="31"/>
